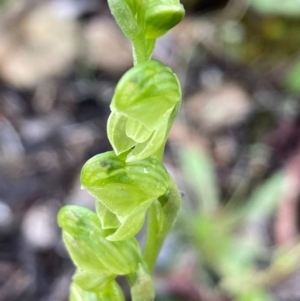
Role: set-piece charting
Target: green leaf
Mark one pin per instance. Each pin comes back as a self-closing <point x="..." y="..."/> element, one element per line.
<point x="88" y="247"/>
<point x="264" y="199"/>
<point x="293" y="77"/>
<point x="199" y="170"/>
<point x="254" y="294"/>
<point x="161" y="16"/>
<point x="290" y="8"/>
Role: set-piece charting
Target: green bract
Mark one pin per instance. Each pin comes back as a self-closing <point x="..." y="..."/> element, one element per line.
<point x="122" y="198"/>
<point x="141" y="107"/>
<point x="88" y="247"/>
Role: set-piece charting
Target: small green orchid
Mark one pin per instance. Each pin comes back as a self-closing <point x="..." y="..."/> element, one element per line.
<point x="141" y="108"/>
<point x="90" y="250"/>
<point x="122" y="198"/>
<point x="130" y="181"/>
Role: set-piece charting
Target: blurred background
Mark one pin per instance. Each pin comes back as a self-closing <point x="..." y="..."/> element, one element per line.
<point x="234" y="149"/>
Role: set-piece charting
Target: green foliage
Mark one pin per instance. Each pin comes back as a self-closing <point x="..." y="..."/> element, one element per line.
<point x="293" y="77"/>
<point x="264" y="199"/>
<point x="199" y="169"/>
<point x="290" y="8"/>
<point x="130" y="180"/>
<point x="214" y="231"/>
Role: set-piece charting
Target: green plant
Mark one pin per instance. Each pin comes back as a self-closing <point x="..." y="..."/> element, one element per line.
<point x="131" y="180"/>
<point x="220" y="233"/>
<point x="288" y="8"/>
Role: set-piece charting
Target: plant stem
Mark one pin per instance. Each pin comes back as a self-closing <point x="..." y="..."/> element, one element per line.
<point x="139" y="51"/>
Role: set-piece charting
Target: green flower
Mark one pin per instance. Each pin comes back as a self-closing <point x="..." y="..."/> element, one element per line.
<point x="161" y="16"/>
<point x="88" y="247"/>
<point x="122" y="198"/>
<point x="141" y="108"/>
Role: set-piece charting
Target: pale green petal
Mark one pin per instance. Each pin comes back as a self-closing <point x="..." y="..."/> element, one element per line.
<point x="132" y="223"/>
<point x="108" y="219"/>
<point x="116" y="132"/>
<point x="146" y="149"/>
<point x="136" y="131"/>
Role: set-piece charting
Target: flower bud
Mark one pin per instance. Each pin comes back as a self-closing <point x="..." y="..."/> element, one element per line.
<point x="141" y="109"/>
<point x="88" y="247"/>
<point x="161" y="16"/>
